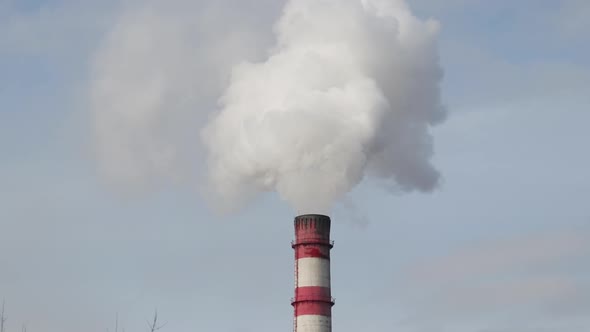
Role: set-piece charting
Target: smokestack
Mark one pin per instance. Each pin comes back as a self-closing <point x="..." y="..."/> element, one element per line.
<point x="313" y="298"/>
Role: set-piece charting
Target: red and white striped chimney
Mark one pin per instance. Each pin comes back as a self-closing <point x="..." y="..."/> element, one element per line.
<point x="313" y="299"/>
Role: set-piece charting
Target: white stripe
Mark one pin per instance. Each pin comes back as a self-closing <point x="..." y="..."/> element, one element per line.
<point x="313" y="272"/>
<point x="314" y="323"/>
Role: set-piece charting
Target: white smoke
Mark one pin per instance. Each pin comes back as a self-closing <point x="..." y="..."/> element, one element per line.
<point x="350" y="88"/>
<point x="155" y="78"/>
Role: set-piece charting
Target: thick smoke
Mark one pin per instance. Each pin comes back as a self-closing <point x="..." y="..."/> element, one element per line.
<point x="350" y="89"/>
<point x="155" y="78"/>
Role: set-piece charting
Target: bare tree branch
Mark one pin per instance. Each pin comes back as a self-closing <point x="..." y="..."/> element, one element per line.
<point x="153" y="326"/>
<point x="2" y="318"/>
<point x="116" y="323"/>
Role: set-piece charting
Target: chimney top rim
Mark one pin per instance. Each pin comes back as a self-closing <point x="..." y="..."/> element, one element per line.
<point x="312" y="215"/>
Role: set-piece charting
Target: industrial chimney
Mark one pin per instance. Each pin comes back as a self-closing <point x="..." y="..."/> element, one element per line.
<point x="313" y="299"/>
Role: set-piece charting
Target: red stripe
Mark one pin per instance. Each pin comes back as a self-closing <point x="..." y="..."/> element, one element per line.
<point x="311" y="235"/>
<point x="309" y="250"/>
<point x="313" y="293"/>
<point x="313" y="301"/>
<point x="313" y="308"/>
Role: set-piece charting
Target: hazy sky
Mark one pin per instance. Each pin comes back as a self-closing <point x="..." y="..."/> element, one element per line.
<point x="502" y="246"/>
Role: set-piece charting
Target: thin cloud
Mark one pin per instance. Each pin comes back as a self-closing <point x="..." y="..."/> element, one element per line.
<point x="537" y="276"/>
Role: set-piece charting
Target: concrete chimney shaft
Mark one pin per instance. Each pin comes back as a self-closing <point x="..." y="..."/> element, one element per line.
<point x="313" y="298"/>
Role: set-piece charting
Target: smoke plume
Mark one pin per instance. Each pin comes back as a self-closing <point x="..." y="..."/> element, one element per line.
<point x="350" y="89"/>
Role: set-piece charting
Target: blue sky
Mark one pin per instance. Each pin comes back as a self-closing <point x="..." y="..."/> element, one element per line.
<point x="501" y="246"/>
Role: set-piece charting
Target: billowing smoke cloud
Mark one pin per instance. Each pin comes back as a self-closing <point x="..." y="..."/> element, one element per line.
<point x="350" y="89"/>
<point x="155" y="78"/>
